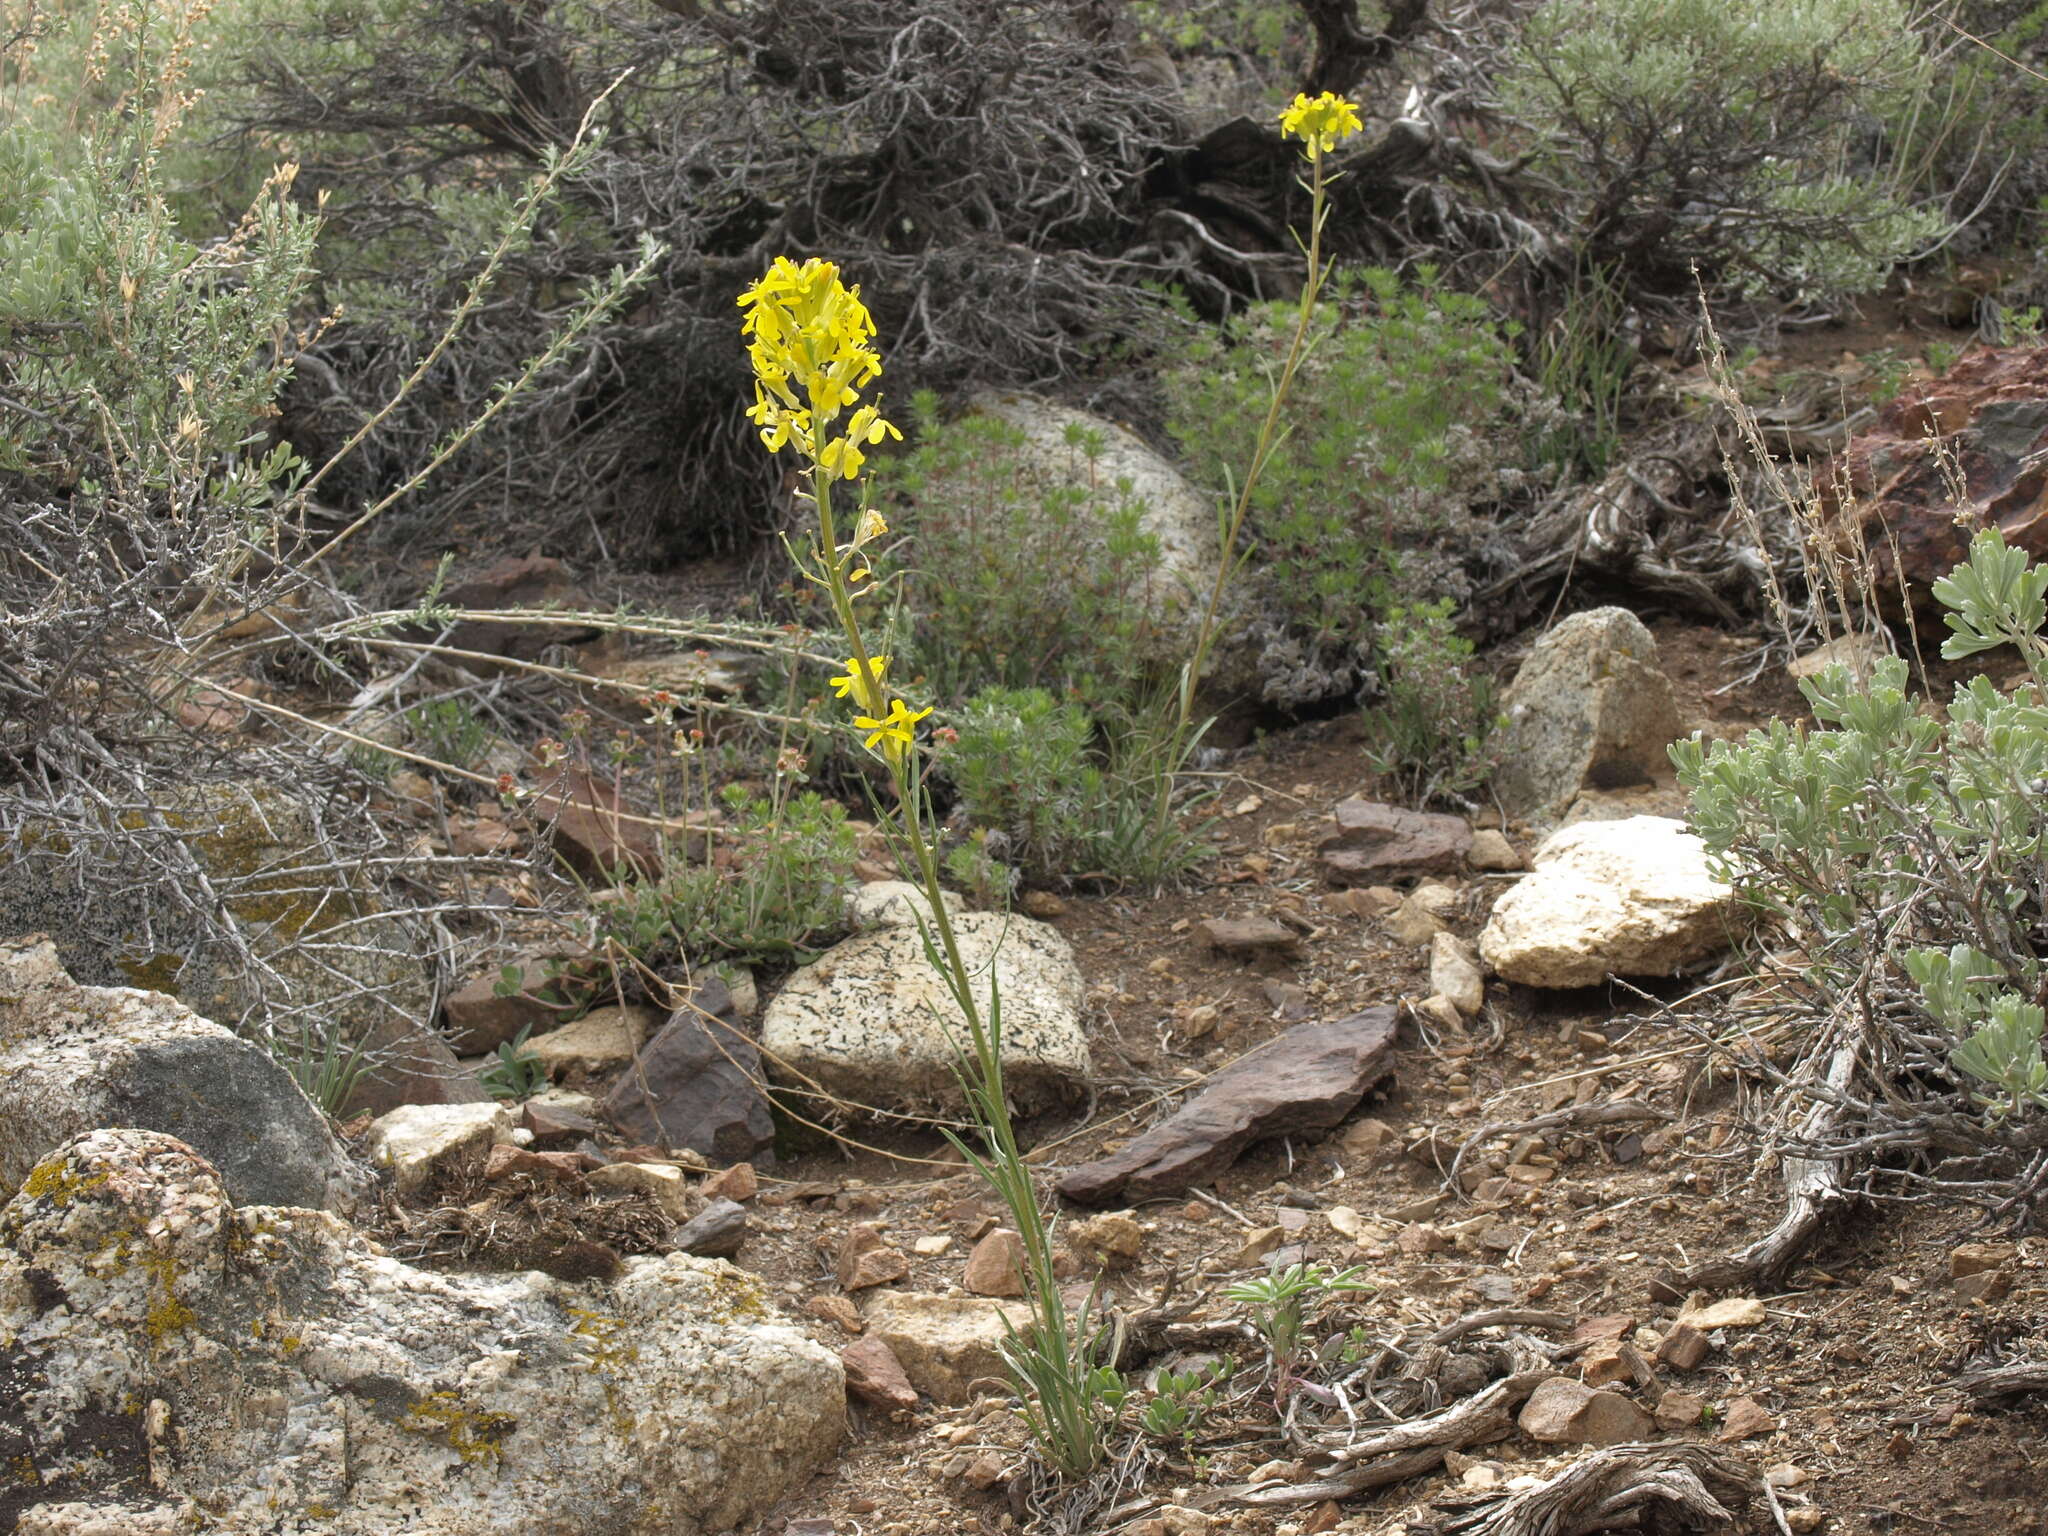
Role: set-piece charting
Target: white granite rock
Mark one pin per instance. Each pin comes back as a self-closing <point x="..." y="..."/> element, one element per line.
<point x="893" y="904"/>
<point x="416" y="1140"/>
<point x="871" y="1021"/>
<point x="167" y="1350"/>
<point x="1627" y="898"/>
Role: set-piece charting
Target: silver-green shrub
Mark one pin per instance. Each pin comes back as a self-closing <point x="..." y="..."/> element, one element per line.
<point x="1735" y="136"/>
<point x="1904" y="851"/>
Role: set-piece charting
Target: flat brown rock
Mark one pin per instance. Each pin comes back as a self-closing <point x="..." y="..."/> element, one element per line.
<point x="1308" y="1079"/>
<point x="1247" y="935"/>
<point x="1375" y="843"/>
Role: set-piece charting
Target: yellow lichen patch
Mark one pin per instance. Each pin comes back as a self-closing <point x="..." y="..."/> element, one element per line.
<point x="735" y="1296"/>
<point x="55" y="1180"/>
<point x="159" y="973"/>
<point x="22" y="1469"/>
<point x="473" y="1434"/>
<point x="603" y="1356"/>
<point x="167" y="1314"/>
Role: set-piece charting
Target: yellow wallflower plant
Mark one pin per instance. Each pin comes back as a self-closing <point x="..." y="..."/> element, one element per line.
<point x="810" y="340"/>
<point x="811" y="343"/>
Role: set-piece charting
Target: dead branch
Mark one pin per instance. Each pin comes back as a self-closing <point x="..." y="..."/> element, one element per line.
<point x="1405" y="1450"/>
<point x="2006" y="1380"/>
<point x="1814" y="1191"/>
<point x="1693" y="1488"/>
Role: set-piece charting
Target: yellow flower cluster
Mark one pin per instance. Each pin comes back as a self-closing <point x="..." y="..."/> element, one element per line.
<point x="1321" y="124"/>
<point x="811" y="344"/>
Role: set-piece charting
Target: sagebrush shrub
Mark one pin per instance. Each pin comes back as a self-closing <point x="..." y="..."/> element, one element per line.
<point x="783" y="894"/>
<point x="1731" y="136"/>
<point x="1905" y="850"/>
<point x="1430" y="731"/>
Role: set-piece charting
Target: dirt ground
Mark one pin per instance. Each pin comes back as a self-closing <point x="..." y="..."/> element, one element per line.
<point x="1845" y="1390"/>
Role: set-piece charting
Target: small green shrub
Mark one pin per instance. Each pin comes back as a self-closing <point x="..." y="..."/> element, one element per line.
<point x="1285" y="1305"/>
<point x="1025" y="583"/>
<point x="1430" y="734"/>
<point x="448" y="730"/>
<point x="784" y="892"/>
<point x="987" y="881"/>
<point x="1907" y="852"/>
<point x="1182" y="1401"/>
<point x="1058" y="799"/>
<point x="517" y="1073"/>
<point x="1389" y="429"/>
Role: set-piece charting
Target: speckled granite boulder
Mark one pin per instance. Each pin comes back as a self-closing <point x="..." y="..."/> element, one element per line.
<point x="1588" y="709"/>
<point x="863" y="1020"/>
<point x="163" y="1350"/>
<point x="76" y="1059"/>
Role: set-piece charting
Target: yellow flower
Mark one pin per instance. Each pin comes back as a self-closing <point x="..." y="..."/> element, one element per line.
<point x="1320" y="124"/>
<point x="871" y="527"/>
<point x="810" y="342"/>
<point x="893" y="731"/>
<point x="866" y="692"/>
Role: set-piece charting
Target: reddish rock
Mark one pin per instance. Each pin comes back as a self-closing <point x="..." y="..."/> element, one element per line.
<point x="479" y="1020"/>
<point x="552" y="1122"/>
<point x="866" y="1259"/>
<point x="1745" y="1417"/>
<point x="1680" y="1410"/>
<point x="1608" y="1328"/>
<point x="594" y="829"/>
<point x="1684" y="1347"/>
<point x="1307" y="1079"/>
<point x="738" y="1183"/>
<point x="875" y="1375"/>
<point x="1991" y="411"/>
<point x="408" y="1063"/>
<point x="996" y="1267"/>
<point x="1375" y="843"/>
<point x="1566" y="1412"/>
<point x="835" y="1309"/>
<point x="697" y="1084"/>
<point x="505" y="1161"/>
<point x="1611" y="1364"/>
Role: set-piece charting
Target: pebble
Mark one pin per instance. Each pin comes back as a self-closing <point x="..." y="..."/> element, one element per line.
<point x="866" y="1260"/>
<point x="1735" y="1312"/>
<point x="996" y="1266"/>
<point x="1744" y="1418"/>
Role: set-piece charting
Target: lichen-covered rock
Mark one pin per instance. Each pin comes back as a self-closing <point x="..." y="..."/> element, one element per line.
<point x="1623" y="898"/>
<point x="159" y="1345"/>
<point x="864" y="1020"/>
<point x="1588" y="709"/>
<point x="75" y="1059"/>
<point x="331" y="953"/>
